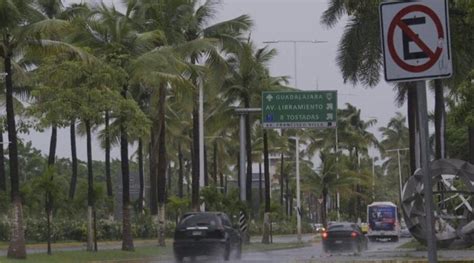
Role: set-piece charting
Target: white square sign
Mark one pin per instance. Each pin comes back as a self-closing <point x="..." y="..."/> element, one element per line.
<point x="416" y="40"/>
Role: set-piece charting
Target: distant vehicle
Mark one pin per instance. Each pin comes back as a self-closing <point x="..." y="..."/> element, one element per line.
<point x="318" y="228"/>
<point x="206" y="234"/>
<point x="364" y="227"/>
<point x="383" y="221"/>
<point x="344" y="236"/>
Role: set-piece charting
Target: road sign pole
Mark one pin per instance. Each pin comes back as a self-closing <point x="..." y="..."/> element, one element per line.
<point x="428" y="189"/>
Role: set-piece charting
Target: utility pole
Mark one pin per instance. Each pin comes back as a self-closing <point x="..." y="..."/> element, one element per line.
<point x="298" y="190"/>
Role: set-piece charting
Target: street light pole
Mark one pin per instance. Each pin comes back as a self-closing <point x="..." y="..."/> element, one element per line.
<point x="295" y="52"/>
<point x="399" y="168"/>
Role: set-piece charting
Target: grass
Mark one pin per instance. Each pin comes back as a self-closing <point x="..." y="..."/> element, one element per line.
<point x="413" y="244"/>
<point x="141" y="254"/>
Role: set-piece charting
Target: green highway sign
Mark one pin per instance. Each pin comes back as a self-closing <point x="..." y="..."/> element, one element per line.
<point x="300" y="109"/>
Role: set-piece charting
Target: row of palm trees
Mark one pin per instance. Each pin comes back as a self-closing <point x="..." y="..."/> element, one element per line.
<point x="136" y="75"/>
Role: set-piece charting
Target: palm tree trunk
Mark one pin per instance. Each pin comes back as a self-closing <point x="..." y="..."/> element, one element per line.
<point x="162" y="165"/>
<point x="324" y="219"/>
<point x="471" y="144"/>
<point x="266" y="164"/>
<point x="72" y="185"/>
<point x="221" y="182"/>
<point x="141" y="194"/>
<point x="3" y="179"/>
<point x="90" y="190"/>
<point x="287" y="195"/>
<point x="411" y="108"/>
<point x="195" y="160"/>
<point x="214" y="168"/>
<point x="440" y="131"/>
<point x="440" y="120"/>
<point x="248" y="143"/>
<point x="181" y="175"/>
<point x="49" y="200"/>
<point x="127" y="240"/>
<point x="206" y="170"/>
<point x="260" y="197"/>
<point x="108" y="177"/>
<point x="153" y="172"/>
<point x="17" y="247"/>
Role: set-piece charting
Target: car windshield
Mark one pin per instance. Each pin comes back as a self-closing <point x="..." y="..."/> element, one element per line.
<point x="199" y="220"/>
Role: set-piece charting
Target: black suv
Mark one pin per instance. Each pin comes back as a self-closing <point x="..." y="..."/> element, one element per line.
<point x="206" y="234"/>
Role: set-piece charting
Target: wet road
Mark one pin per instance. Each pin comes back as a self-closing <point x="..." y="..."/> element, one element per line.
<point x="377" y="251"/>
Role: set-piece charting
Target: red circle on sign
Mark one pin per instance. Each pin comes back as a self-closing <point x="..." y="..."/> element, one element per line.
<point x="397" y="22"/>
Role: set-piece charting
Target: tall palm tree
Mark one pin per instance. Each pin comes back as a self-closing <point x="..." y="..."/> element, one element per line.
<point x="197" y="26"/>
<point x="247" y="68"/>
<point x="21" y="26"/>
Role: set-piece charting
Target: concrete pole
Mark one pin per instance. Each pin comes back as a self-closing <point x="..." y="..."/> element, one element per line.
<point x="201" y="141"/>
<point x="298" y="190"/>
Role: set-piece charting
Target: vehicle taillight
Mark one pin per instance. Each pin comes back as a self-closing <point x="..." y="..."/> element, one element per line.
<point x="325" y="235"/>
<point x="354" y="234"/>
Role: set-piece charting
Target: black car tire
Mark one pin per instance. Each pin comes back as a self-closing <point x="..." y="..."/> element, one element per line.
<point x="394" y="239"/>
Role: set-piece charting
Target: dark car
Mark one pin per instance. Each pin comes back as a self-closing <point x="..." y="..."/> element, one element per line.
<point x="206" y="234"/>
<point x="344" y="236"/>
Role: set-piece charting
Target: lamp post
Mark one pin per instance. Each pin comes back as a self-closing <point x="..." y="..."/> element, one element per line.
<point x="295" y="52"/>
<point x="399" y="167"/>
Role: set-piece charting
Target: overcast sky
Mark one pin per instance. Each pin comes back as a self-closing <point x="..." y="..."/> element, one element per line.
<point x="283" y="20"/>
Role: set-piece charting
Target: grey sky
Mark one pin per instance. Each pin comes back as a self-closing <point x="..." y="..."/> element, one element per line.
<point x="283" y="20"/>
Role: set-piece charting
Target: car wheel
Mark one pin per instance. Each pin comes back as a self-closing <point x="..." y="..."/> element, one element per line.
<point x="394" y="239"/>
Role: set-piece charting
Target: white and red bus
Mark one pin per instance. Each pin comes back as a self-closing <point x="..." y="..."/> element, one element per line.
<point x="382" y="218"/>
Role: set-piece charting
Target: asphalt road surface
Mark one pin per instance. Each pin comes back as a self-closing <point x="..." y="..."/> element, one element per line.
<point x="377" y="251"/>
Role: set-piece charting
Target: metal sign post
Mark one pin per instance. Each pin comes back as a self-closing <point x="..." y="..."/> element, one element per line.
<point x="427" y="185"/>
<point x="416" y="46"/>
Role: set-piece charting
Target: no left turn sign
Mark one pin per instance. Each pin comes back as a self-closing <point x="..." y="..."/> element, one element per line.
<point x="416" y="43"/>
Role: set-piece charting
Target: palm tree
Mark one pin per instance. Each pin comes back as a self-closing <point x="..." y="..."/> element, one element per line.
<point x="326" y="181"/>
<point x="21" y="28"/>
<point x="229" y="34"/>
<point x="247" y="68"/>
